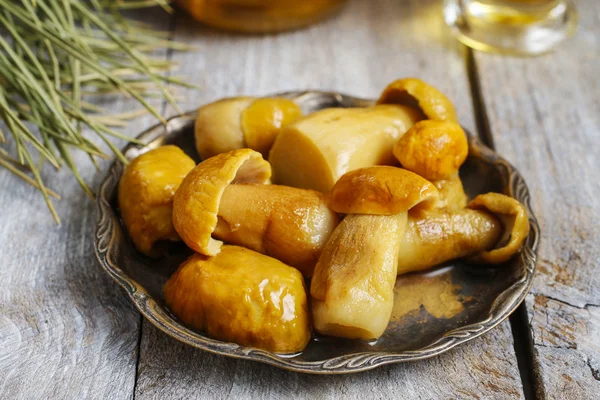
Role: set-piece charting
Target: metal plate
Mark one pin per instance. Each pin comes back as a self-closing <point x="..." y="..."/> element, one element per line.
<point x="435" y="310"/>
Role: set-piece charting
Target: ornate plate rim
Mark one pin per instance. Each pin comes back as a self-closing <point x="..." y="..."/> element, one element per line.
<point x="505" y="304"/>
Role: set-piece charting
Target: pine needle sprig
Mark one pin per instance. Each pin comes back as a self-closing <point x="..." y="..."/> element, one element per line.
<point x="53" y="54"/>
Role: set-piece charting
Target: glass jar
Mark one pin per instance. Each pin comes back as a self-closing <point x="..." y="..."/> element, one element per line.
<point x="519" y="27"/>
<point x="259" y="16"/>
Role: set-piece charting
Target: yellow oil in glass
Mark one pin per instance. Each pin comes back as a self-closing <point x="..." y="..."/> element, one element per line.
<point x="521" y="27"/>
<point x="259" y="16"/>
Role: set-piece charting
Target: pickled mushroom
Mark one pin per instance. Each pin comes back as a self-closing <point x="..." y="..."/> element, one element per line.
<point x="146" y="192"/>
<point x="287" y="223"/>
<point x="242" y="122"/>
<point x="515" y="221"/>
<point x="352" y="288"/>
<point x="243" y="297"/>
<point x="415" y="93"/>
<point x="433" y="149"/>
<point x="437" y="236"/>
<point x="263" y="119"/>
<point x="490" y="231"/>
<point x="196" y="202"/>
<point x="315" y="151"/>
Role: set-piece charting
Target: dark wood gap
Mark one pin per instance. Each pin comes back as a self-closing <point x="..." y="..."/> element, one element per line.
<point x="482" y="123"/>
<point x="519" y="322"/>
<point x="139" y="356"/>
<point x="526" y="359"/>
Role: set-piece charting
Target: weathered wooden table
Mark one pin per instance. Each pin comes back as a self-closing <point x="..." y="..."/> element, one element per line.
<point x="67" y="331"/>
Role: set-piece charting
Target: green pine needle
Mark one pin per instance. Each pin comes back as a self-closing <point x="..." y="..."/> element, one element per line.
<point x="53" y="53"/>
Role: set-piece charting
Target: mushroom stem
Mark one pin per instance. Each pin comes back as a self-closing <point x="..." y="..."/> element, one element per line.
<point x="315" y="151"/>
<point x="353" y="285"/>
<point x="289" y="224"/>
<point x="452" y="193"/>
<point x="436" y="236"/>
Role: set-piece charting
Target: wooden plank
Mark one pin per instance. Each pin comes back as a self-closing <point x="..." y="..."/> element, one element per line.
<point x="545" y="117"/>
<point x="359" y="52"/>
<point x="66" y="329"/>
<point x="484" y="368"/>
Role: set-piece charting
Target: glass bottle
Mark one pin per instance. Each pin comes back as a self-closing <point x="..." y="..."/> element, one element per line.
<point x="260" y="16"/>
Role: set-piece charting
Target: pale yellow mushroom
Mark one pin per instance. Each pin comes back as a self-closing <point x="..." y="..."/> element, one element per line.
<point x="242" y="122"/>
<point x="315" y="151"/>
<point x="287" y="223"/>
<point x="352" y="288"/>
<point x="243" y="297"/>
<point x="146" y="192"/>
<point x="420" y="95"/>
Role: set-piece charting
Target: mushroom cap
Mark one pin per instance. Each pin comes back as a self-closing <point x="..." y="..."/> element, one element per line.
<point x="218" y="126"/>
<point x="242" y="122"/>
<point x="381" y="190"/>
<point x="513" y="216"/>
<point x="263" y="119"/>
<point x="416" y="93"/>
<point x="243" y="297"/>
<point x="146" y="192"/>
<point x="433" y="149"/>
<point x="197" y="200"/>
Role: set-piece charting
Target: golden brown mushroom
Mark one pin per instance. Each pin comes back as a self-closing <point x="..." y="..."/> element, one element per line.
<point x="438" y="236"/>
<point x="287" y="223"/>
<point x="242" y="122"/>
<point x="514" y="219"/>
<point x="420" y="95"/>
<point x="490" y="231"/>
<point x="146" y="193"/>
<point x="263" y="119"/>
<point x="353" y="283"/>
<point x="436" y="150"/>
<point x="315" y="151"/>
<point x="196" y="202"/>
<point x="433" y="149"/>
<point x="243" y="297"/>
<point x="452" y="193"/>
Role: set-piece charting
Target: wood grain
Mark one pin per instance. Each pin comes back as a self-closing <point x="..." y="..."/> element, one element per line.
<point x="369" y="45"/>
<point x="358" y="52"/>
<point x="483" y="368"/>
<point x="544" y="114"/>
<point x="66" y="330"/>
